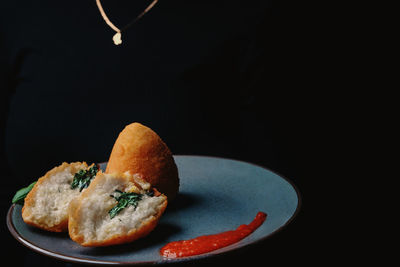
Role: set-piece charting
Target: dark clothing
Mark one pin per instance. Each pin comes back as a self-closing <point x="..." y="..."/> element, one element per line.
<point x="209" y="77"/>
<point x="203" y="76"/>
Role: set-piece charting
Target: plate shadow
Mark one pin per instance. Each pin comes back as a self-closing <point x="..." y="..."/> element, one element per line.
<point x="157" y="238"/>
<point x="183" y="201"/>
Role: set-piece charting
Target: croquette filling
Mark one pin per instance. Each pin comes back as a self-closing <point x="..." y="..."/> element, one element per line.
<point x="126" y="199"/>
<point x="83" y="178"/>
<point x="53" y="197"/>
<point x="99" y="223"/>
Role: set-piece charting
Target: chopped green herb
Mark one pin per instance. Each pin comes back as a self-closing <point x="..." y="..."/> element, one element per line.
<point x="83" y="178"/>
<point x="124" y="200"/>
<point x="21" y="194"/>
<point x="150" y="193"/>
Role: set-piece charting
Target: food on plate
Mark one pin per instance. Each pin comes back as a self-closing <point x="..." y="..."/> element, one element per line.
<point x="208" y="243"/>
<point x="138" y="149"/>
<point x="46" y="204"/>
<point x="99" y="209"/>
<point x="116" y="208"/>
<point x="21" y="194"/>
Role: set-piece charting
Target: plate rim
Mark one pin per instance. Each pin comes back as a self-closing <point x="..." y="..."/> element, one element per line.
<point x="60" y="256"/>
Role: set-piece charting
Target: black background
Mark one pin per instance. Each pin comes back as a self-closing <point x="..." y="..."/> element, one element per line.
<point x="236" y="79"/>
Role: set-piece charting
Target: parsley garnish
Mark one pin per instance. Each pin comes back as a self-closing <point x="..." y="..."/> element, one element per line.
<point x="19" y="197"/>
<point x="83" y="178"/>
<point x="124" y="200"/>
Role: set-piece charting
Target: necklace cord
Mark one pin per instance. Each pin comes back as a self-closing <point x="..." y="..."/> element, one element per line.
<point x="106" y="19"/>
<point x="115" y="28"/>
<point x="148" y="8"/>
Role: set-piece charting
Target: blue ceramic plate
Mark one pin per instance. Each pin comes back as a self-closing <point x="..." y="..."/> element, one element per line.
<point x="216" y="195"/>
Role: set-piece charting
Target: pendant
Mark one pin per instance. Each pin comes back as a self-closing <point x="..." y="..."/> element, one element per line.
<point x="117" y="38"/>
